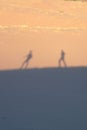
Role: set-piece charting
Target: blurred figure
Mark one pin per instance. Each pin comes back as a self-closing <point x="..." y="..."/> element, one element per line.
<point x="27" y="60"/>
<point x="62" y="59"/>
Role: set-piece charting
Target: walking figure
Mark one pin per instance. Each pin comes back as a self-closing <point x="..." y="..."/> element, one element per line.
<point x="26" y="61"/>
<point x="62" y="59"/>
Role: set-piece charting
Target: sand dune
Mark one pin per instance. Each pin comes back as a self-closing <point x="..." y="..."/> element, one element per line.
<point x="43" y="99"/>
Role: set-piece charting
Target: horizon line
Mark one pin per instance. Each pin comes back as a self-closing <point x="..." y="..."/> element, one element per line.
<point x="41" y="68"/>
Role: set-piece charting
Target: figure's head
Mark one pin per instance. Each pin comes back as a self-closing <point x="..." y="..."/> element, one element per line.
<point x="30" y="51"/>
<point x="62" y="51"/>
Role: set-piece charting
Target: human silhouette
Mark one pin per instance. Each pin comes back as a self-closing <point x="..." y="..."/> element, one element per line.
<point x="26" y="61"/>
<point x="62" y="59"/>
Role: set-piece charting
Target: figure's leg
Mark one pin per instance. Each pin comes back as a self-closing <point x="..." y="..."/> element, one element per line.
<point x="26" y="65"/>
<point x="64" y="63"/>
<point x="59" y="62"/>
<point x="22" y="65"/>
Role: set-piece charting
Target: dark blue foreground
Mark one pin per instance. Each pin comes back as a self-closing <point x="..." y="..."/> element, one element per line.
<point x="43" y="99"/>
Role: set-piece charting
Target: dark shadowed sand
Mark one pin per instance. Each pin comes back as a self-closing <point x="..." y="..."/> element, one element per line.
<point x="43" y="99"/>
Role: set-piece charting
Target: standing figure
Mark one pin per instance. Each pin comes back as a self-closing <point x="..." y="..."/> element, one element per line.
<point x="26" y="61"/>
<point x="62" y="59"/>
